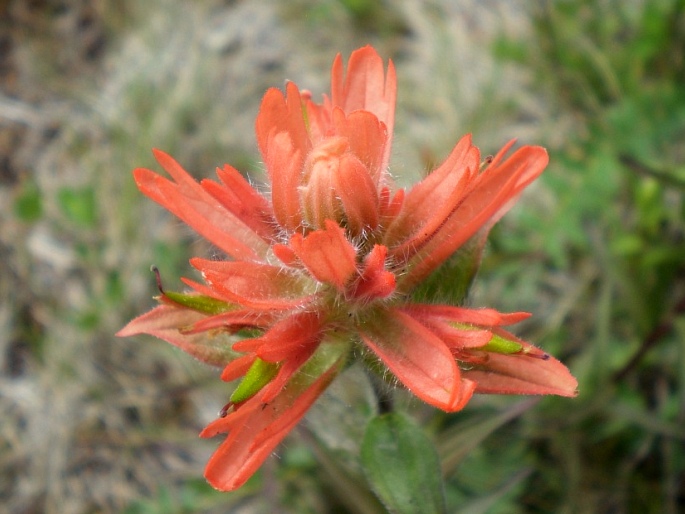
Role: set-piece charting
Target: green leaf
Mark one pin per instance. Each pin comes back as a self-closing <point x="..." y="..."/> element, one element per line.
<point x="500" y="345"/>
<point x="402" y="466"/>
<point x="450" y="283"/>
<point x="260" y="373"/>
<point x="197" y="302"/>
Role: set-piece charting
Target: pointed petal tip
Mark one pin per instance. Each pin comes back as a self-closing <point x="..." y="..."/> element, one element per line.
<point x="145" y="323"/>
<point x="160" y="155"/>
<point x="125" y="332"/>
<point x="365" y="51"/>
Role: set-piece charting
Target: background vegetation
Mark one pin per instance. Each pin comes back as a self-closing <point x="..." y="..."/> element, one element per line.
<point x="595" y="249"/>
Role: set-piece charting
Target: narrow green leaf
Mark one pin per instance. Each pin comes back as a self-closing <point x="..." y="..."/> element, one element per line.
<point x="402" y="466"/>
<point x="260" y="373"/>
<point x="200" y="303"/>
<point x="500" y="345"/>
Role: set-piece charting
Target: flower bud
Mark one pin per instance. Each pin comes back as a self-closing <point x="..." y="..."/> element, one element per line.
<point x="337" y="186"/>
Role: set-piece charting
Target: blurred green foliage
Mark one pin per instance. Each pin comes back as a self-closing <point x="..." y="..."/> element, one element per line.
<point x="615" y="221"/>
<point x="78" y="206"/>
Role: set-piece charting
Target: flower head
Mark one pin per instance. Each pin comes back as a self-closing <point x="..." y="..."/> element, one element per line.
<point x="328" y="262"/>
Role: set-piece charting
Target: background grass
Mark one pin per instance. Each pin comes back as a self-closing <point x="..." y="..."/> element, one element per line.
<point x="596" y="248"/>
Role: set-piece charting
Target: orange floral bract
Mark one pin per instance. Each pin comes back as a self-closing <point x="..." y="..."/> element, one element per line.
<point x="329" y="261"/>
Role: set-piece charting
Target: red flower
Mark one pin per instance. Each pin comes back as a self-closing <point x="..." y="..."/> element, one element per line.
<point x="328" y="262"/>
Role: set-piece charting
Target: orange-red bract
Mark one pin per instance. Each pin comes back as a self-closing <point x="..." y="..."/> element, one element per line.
<point x="328" y="260"/>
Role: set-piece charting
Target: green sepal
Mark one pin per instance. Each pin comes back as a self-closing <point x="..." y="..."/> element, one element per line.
<point x="500" y="345"/>
<point x="197" y="302"/>
<point x="451" y="281"/>
<point x="260" y="373"/>
<point x="496" y="344"/>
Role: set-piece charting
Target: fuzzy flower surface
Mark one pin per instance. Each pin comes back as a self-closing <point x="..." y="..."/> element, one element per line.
<point x="326" y="264"/>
